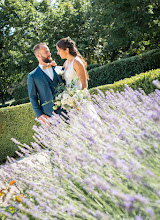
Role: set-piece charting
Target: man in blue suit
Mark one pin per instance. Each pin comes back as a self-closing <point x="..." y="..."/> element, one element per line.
<point x="42" y="83"/>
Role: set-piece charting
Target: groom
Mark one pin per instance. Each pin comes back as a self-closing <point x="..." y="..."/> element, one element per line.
<point x="42" y="83"/>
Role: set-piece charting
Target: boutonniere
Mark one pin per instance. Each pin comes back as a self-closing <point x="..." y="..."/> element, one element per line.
<point x="62" y="73"/>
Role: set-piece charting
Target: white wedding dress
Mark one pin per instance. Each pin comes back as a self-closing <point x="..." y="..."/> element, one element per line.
<point x="70" y="76"/>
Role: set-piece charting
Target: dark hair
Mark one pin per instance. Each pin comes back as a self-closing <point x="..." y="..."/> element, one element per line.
<point x="67" y="42"/>
<point x="37" y="47"/>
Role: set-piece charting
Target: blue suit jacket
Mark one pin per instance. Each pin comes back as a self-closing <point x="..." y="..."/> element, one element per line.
<point x="40" y="92"/>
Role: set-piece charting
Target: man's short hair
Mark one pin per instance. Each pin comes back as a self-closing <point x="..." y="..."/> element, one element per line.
<point x="37" y="47"/>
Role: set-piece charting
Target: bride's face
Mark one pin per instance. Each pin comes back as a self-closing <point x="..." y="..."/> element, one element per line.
<point x="62" y="53"/>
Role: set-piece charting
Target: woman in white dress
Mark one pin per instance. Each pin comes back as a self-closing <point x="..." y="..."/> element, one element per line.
<point x="75" y="66"/>
<point x="75" y="69"/>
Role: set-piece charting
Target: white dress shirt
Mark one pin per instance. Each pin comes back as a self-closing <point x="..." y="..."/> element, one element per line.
<point x="48" y="71"/>
<point x="58" y="69"/>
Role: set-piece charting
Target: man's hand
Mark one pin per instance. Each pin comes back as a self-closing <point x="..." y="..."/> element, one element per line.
<point x="53" y="63"/>
<point x="43" y="117"/>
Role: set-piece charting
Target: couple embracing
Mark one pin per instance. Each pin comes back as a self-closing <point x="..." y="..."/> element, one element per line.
<point x="43" y="81"/>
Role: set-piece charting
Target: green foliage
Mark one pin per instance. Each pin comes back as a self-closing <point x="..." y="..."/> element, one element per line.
<point x="92" y="66"/>
<point x="123" y="68"/>
<point x="18" y="30"/>
<point x="20" y="101"/>
<point x="20" y="92"/>
<point x="15" y="122"/>
<point x="143" y="81"/>
<point x="4" y="105"/>
<point x="129" y="27"/>
<point x="103" y="31"/>
<point x="17" y="102"/>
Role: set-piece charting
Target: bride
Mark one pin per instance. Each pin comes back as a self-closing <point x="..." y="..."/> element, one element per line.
<point x="75" y="67"/>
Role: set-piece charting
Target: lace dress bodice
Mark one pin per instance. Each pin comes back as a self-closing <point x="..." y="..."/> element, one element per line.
<point x="71" y="75"/>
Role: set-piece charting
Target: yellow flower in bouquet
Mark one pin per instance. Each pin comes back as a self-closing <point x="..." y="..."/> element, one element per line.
<point x="58" y="103"/>
<point x="71" y="102"/>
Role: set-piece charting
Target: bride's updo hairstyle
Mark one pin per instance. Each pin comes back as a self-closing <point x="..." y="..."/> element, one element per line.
<point x="67" y="42"/>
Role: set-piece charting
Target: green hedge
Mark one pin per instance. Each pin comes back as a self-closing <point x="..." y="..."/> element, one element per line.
<point x="143" y="81"/>
<point x="124" y="68"/>
<point x="17" y="102"/>
<point x="92" y="66"/>
<point x="17" y="121"/>
<point x="20" y="92"/>
<point x="20" y="101"/>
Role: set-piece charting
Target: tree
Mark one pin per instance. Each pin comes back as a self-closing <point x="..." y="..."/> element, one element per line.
<point x="126" y="26"/>
<point x="18" y="30"/>
<point x="103" y="31"/>
<point x="66" y="18"/>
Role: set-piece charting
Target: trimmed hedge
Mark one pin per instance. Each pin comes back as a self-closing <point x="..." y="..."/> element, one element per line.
<point x="4" y="105"/>
<point x="124" y="68"/>
<point x="17" y="102"/>
<point x="17" y="121"/>
<point x="92" y="66"/>
<point x="20" y="101"/>
<point x="143" y="81"/>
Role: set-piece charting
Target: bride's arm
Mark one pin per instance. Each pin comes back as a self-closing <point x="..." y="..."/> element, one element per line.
<point x="81" y="72"/>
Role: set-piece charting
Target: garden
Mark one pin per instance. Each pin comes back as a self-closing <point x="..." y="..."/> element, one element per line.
<point x="105" y="169"/>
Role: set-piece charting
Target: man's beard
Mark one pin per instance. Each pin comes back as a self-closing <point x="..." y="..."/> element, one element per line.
<point x="46" y="60"/>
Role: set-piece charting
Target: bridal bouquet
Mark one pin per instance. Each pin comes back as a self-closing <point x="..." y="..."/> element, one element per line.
<point x="71" y="97"/>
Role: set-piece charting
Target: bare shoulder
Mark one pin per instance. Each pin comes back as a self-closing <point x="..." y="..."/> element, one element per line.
<point x="77" y="63"/>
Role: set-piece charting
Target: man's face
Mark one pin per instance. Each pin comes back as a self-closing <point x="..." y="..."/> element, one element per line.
<point x="44" y="54"/>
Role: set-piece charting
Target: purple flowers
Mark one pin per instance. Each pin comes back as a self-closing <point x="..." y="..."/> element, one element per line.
<point x="93" y="169"/>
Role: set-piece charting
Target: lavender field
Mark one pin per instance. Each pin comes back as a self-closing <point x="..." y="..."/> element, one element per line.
<point x="97" y="169"/>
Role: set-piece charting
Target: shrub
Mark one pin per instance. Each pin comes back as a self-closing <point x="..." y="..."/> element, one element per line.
<point x="4" y="105"/>
<point x="105" y="170"/>
<point x="20" y="101"/>
<point x="143" y="81"/>
<point x="17" y="102"/>
<point x="15" y="122"/>
<point x="92" y="66"/>
<point x="124" y="68"/>
<point x="20" y="92"/>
